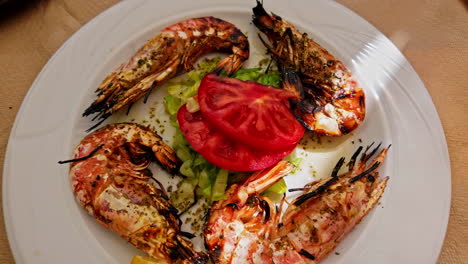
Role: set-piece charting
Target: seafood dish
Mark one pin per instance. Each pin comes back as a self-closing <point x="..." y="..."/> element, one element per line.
<point x="236" y="132"/>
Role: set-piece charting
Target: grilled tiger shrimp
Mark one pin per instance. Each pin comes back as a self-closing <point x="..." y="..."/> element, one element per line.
<point x="238" y="227"/>
<point x="110" y="178"/>
<point x="329" y="99"/>
<point x="318" y="220"/>
<point x="169" y="53"/>
<point x="247" y="228"/>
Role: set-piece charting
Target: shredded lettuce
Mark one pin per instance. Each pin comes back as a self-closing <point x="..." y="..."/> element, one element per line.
<point x="276" y="191"/>
<point x="204" y="182"/>
<point x="175" y="89"/>
<point x="184" y="154"/>
<point x="296" y="161"/>
<point x="183" y="196"/>
<point x="188" y="87"/>
<point x="279" y="187"/>
<point x="275" y="197"/>
<point x="207" y="65"/>
<point x="179" y="140"/>
<point x="201" y="175"/>
<point x="247" y="74"/>
<point x="199" y="172"/>
<point x="200" y="161"/>
<point x="206" y="179"/>
<point x="219" y="185"/>
<point x="273" y="79"/>
<point x="172" y="104"/>
<point x="186" y="169"/>
<point x="191" y="91"/>
<point x="255" y="74"/>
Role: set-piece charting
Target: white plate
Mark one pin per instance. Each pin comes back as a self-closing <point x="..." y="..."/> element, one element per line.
<point x="45" y="224"/>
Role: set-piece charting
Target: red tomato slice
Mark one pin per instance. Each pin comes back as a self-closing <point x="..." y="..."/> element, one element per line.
<point x="220" y="150"/>
<point x="251" y="113"/>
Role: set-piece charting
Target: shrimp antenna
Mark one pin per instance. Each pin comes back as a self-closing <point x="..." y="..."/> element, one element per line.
<point x="103" y="118"/>
<point x="269" y="65"/>
<point x="99" y="106"/>
<point x="364" y="155"/>
<point x="96" y="116"/>
<point x="352" y="162"/>
<point x="366" y="172"/>
<point x="373" y="152"/>
<point x="161" y="188"/>
<point x="82" y="158"/>
<point x="297" y="189"/>
<point x="322" y="188"/>
<point x="269" y="48"/>
<point x="148" y="93"/>
<point x="338" y="166"/>
<point x="129" y="108"/>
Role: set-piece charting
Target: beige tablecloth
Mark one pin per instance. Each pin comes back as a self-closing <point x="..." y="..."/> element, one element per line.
<point x="432" y="34"/>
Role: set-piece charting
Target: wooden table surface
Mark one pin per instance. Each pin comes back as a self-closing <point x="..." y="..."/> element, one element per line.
<point x="432" y="34"/>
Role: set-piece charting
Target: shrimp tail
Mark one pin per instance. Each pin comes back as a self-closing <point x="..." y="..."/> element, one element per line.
<point x="233" y="62"/>
<point x="228" y="65"/>
<point x="167" y="158"/>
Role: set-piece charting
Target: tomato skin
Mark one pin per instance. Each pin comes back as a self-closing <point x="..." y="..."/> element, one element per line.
<point x="256" y="115"/>
<point x="222" y="151"/>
